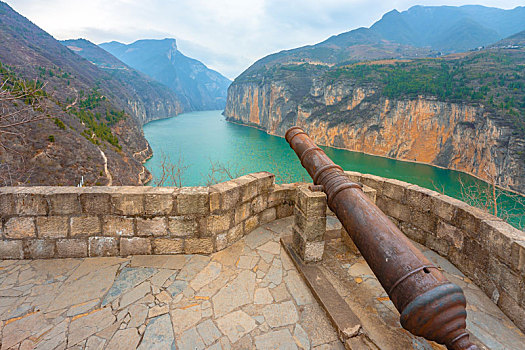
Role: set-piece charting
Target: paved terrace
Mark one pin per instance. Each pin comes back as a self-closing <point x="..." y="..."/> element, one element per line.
<point x="247" y="296"/>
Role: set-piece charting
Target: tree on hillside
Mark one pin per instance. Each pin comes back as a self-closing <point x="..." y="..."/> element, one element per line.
<point x="21" y="103"/>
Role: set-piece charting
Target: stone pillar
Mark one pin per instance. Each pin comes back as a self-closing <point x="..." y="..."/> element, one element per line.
<point x="309" y="224"/>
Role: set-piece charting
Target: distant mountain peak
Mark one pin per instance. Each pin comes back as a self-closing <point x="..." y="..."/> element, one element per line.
<point x="161" y="60"/>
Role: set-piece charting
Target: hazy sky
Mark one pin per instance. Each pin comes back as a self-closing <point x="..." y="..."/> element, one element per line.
<point x="226" y="35"/>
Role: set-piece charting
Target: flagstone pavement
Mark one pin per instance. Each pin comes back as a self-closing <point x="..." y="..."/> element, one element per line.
<point x="246" y="296"/>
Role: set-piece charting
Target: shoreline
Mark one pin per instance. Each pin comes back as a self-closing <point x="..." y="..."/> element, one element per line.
<point x="387" y="157"/>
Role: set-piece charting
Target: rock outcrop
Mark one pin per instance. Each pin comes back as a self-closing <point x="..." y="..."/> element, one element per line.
<point x="462" y="136"/>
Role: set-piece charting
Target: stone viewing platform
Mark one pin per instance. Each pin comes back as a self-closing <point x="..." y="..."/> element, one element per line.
<point x="199" y="268"/>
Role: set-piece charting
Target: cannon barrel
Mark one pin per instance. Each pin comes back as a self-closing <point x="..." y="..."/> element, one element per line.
<point x="430" y="305"/>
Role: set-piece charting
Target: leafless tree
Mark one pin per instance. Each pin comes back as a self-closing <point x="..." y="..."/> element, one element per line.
<point x="21" y="106"/>
<point x="171" y="173"/>
<point x="489" y="197"/>
<point x="220" y="172"/>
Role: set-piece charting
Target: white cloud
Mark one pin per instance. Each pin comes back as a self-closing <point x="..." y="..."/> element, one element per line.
<point x="227" y="35"/>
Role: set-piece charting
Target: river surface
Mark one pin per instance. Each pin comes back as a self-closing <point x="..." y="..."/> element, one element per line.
<point x="204" y="143"/>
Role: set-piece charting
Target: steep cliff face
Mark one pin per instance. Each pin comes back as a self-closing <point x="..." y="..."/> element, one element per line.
<point x="462" y="136"/>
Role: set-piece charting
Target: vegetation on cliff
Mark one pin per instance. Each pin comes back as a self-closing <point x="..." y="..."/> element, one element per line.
<point x="85" y="121"/>
<point x="494" y="78"/>
<point x="153" y="99"/>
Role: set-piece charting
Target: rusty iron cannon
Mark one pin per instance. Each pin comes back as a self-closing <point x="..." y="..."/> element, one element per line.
<point x="430" y="305"/>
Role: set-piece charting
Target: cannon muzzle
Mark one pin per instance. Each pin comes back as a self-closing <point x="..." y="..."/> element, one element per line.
<point x="430" y="305"/>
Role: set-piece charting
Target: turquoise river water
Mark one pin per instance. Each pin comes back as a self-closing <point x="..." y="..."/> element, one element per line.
<point x="200" y="141"/>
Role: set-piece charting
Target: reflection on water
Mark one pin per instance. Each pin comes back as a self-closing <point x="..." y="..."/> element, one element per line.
<point x="202" y="138"/>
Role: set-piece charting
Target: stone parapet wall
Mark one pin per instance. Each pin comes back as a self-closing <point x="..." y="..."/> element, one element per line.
<point x="485" y="248"/>
<point x="61" y="222"/>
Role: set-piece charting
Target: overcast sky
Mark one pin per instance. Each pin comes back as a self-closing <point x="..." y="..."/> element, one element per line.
<point x="226" y="35"/>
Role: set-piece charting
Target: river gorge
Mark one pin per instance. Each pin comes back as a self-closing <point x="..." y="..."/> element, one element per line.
<point x="202" y="139"/>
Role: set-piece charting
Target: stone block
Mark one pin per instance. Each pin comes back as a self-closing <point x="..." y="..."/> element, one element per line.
<point x="168" y="246"/>
<point x="282" y="194"/>
<point x="259" y="203"/>
<point x="476" y="254"/>
<point x="215" y="200"/>
<point x="235" y="233"/>
<point x="499" y="237"/>
<point x="420" y="198"/>
<point x="376" y="182"/>
<point x="522" y="299"/>
<point x="193" y="200"/>
<point x="312" y="228"/>
<point x="394" y="209"/>
<point x="64" y="201"/>
<point x="284" y="210"/>
<point x="20" y="227"/>
<point x="425" y="221"/>
<point x="117" y="226"/>
<point x="242" y="212"/>
<point x="265" y="181"/>
<point x="512" y="309"/>
<point x="311" y="203"/>
<point x="29" y="203"/>
<point x="7" y="202"/>
<point x="156" y="226"/>
<point x="96" y="202"/>
<point x="518" y="250"/>
<point x="354" y="176"/>
<point x="469" y="219"/>
<point x="218" y="223"/>
<point x="225" y="196"/>
<point x="72" y="248"/>
<point x="450" y="233"/>
<point x="85" y="226"/>
<point x="11" y="249"/>
<point x="251" y="224"/>
<point x="370" y="193"/>
<point x="308" y="251"/>
<point x="395" y="189"/>
<point x="438" y="245"/>
<point x="413" y="232"/>
<point x="52" y="226"/>
<point x="160" y="202"/>
<point x="503" y="276"/>
<point x="103" y="246"/>
<point x="182" y="226"/>
<point x="268" y="215"/>
<point x="127" y="204"/>
<point x="221" y="241"/>
<point x="444" y="207"/>
<point x="247" y="186"/>
<point x="135" y="246"/>
<point x="198" y="246"/>
<point x="41" y="249"/>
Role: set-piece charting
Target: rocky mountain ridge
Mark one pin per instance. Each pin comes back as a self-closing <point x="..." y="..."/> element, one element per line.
<point x="199" y="87"/>
<point x="150" y="100"/>
<point x="421" y="31"/>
